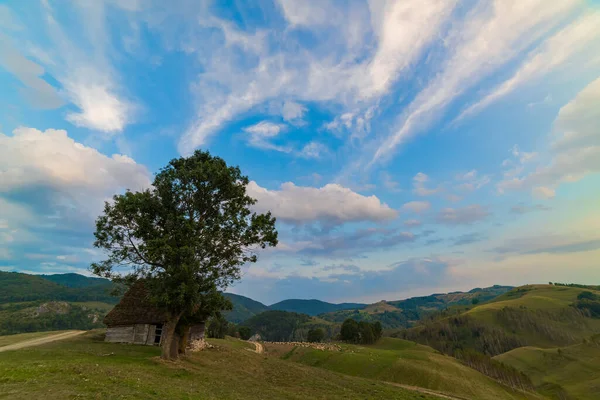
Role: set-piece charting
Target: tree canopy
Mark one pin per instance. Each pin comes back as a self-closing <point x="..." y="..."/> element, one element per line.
<point x="186" y="236"/>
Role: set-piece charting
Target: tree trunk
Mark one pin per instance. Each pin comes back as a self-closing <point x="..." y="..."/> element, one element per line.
<point x="175" y="346"/>
<point x="185" y="337"/>
<point x="169" y="336"/>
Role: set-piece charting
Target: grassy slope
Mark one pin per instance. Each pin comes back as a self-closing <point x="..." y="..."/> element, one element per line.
<point x="552" y="301"/>
<point x="575" y="368"/>
<point x="86" y="367"/>
<point x="405" y="362"/>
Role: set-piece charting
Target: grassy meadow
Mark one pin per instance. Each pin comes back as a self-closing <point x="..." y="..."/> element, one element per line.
<point x="573" y="371"/>
<point x="87" y="368"/>
<point x="404" y="362"/>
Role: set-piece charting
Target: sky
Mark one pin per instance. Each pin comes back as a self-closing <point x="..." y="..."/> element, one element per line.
<point x="405" y="147"/>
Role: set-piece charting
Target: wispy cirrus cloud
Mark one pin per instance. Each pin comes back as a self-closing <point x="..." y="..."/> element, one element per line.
<point x="575" y="148"/>
<point x="576" y="39"/>
<point x="511" y="29"/>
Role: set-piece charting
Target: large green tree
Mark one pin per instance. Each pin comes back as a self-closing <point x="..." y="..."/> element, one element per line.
<point x="187" y="234"/>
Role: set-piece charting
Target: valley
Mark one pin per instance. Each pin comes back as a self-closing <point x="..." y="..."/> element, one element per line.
<point x="529" y="342"/>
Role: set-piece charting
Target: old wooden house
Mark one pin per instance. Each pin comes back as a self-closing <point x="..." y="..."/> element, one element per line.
<point x="135" y="319"/>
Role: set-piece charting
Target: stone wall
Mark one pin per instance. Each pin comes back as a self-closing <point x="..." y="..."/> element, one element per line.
<point x="318" y="346"/>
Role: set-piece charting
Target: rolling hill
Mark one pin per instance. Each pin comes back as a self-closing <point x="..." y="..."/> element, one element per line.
<point x="562" y="372"/>
<point x="33" y="303"/>
<point x="527" y="323"/>
<point x="18" y="287"/>
<point x="532" y="315"/>
<point x="406" y="363"/>
<point x="405" y="313"/>
<point x="313" y="307"/>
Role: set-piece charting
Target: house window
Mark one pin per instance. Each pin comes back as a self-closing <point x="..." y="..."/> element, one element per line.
<point x="158" y="333"/>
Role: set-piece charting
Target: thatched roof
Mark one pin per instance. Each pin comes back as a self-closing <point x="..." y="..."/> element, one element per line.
<point x="135" y="308"/>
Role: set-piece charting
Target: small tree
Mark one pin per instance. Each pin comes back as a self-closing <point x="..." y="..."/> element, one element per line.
<point x="315" y="335"/>
<point x="349" y="331"/>
<point x="188" y="234"/>
<point x="245" y="332"/>
<point x="365" y="330"/>
<point x="475" y="301"/>
<point x="217" y="327"/>
<point x="377" y="330"/>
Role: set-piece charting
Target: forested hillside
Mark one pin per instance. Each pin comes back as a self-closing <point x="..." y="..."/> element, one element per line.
<point x="405" y="313"/>
<point x="278" y="326"/>
<point x="544" y="316"/>
<point x="313" y="307"/>
<point x="32" y="303"/>
<point x="18" y="287"/>
<point x="243" y="308"/>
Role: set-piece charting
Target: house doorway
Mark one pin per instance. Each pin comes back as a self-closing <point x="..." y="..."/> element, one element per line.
<point x="158" y="333"/>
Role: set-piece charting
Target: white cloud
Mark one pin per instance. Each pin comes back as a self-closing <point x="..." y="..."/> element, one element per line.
<point x="389" y="183"/>
<point x="412" y="222"/>
<point x="313" y="150"/>
<point x="543" y="192"/>
<point x="8" y="20"/>
<point x="492" y="34"/>
<point x="292" y="111"/>
<point x="465" y="215"/>
<point x="352" y="64"/>
<point x="75" y="175"/>
<point x="332" y="203"/>
<point x="582" y="37"/>
<point x="78" y="57"/>
<point x="404" y="29"/>
<point x="417" y="206"/>
<point x="36" y="90"/>
<point x="575" y="149"/>
<point x="471" y="181"/>
<point x="420" y="188"/>
<point x="261" y="134"/>
<point x="101" y="108"/>
<point x="305" y="13"/>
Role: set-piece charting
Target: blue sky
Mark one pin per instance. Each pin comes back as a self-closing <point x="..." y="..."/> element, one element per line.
<point x="406" y="147"/>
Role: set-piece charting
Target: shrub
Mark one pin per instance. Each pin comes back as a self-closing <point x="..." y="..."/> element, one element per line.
<point x="245" y="332"/>
<point x="316" y="335"/>
<point x="217" y="327"/>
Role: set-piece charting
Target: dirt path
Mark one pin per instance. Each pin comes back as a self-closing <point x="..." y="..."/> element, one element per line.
<point x="426" y="391"/>
<point x="259" y="347"/>
<point x="42" y="340"/>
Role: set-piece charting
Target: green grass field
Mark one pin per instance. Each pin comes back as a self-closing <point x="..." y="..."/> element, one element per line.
<point x="575" y="369"/>
<point x="404" y="362"/>
<point x="85" y="367"/>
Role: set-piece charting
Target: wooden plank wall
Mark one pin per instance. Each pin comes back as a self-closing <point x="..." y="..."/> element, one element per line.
<point x="120" y="334"/>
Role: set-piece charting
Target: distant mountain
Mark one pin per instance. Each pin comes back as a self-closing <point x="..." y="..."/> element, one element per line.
<point x="313" y="307"/>
<point x="77" y="281"/>
<point x="18" y="287"/>
<point x="243" y="308"/>
<point x="405" y="313"/>
<point x="440" y="301"/>
<point x="31" y="303"/>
